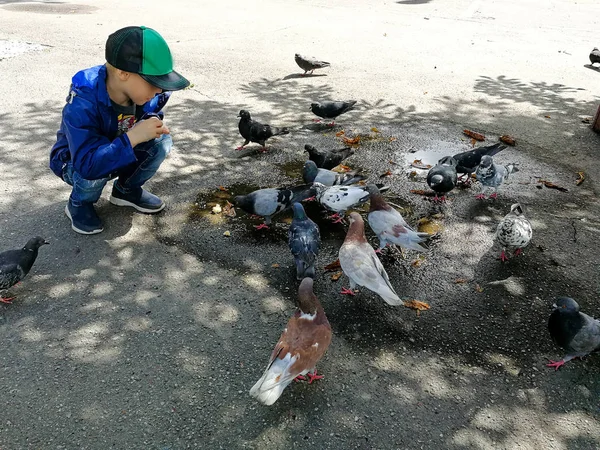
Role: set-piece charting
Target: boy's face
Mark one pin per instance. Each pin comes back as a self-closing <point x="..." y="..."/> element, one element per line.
<point x="139" y="90"/>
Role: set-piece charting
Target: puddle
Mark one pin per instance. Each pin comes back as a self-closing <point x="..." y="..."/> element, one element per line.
<point x="201" y="211"/>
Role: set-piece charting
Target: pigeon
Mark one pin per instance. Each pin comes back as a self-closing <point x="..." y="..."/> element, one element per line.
<point x="331" y="110"/>
<point x="467" y="162"/>
<point x="361" y="264"/>
<point x="16" y="264"/>
<point x="492" y="175"/>
<point x="311" y="173"/>
<point x="514" y="231"/>
<point x="389" y="225"/>
<point x="442" y="177"/>
<point x="304" y="240"/>
<point x="256" y="131"/>
<point x="270" y="201"/>
<point x="308" y="63"/>
<point x="575" y="332"/>
<point x="341" y="198"/>
<point x="301" y="345"/>
<point x="328" y="159"/>
<point x="595" y="56"/>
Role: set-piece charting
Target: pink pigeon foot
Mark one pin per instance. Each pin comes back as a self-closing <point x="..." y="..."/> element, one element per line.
<point x="7" y="300"/>
<point x="262" y="226"/>
<point x="311" y="199"/>
<point x="441" y="199"/>
<point x="299" y="378"/>
<point x="503" y="256"/>
<point x="345" y="291"/>
<point x="262" y="150"/>
<point x="316" y="120"/>
<point x="331" y="124"/>
<point x="378" y="251"/>
<point x="338" y="220"/>
<point x="494" y="196"/>
<point x="480" y="196"/>
<point x="313" y="376"/>
<point x="555" y="364"/>
<point x="518" y="252"/>
<point x="241" y="147"/>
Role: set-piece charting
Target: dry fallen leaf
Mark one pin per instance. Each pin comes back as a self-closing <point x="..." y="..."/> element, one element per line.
<point x="460" y="280"/>
<point x="394" y="163"/>
<point x="339" y="133"/>
<point x="478" y="288"/>
<point x="474" y="135"/>
<point x="374" y="130"/>
<point x="422" y="192"/>
<point x="336" y="276"/>
<point x="392" y="139"/>
<point x="222" y="188"/>
<point x="417" y="262"/>
<point x="509" y="140"/>
<point x="580" y="179"/>
<point x="429" y="226"/>
<point x="473" y="142"/>
<point x="351" y="141"/>
<point x="551" y="185"/>
<point x="416" y="304"/>
<point x="418" y="164"/>
<point x="274" y="265"/>
<point x="341" y="169"/>
<point x="362" y="183"/>
<point x="228" y="209"/>
<point x="587" y="120"/>
<point x="547" y="117"/>
<point x="227" y="234"/>
<point x="333" y="266"/>
<point x="386" y="174"/>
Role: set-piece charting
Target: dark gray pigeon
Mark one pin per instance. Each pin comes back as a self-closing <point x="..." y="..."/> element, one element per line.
<point x="442" y="177"/>
<point x="16" y="264"/>
<point x="270" y="201"/>
<point x="328" y="159"/>
<point x="309" y="63"/>
<point x="254" y="131"/>
<point x="331" y="110"/>
<point x="514" y="231"/>
<point x="595" y="56"/>
<point x="575" y="332"/>
<point x="467" y="162"/>
<point x="304" y="240"/>
<point x="491" y="175"/>
<point x="311" y="173"/>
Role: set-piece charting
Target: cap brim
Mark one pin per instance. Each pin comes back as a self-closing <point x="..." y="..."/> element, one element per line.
<point x="169" y="82"/>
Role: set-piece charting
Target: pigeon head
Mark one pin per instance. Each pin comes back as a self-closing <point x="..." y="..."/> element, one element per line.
<point x="309" y="171"/>
<point x="356" y="230"/>
<point x="372" y="189"/>
<point x="595" y="49"/>
<point x="319" y="188"/>
<point x="566" y="304"/>
<point x="486" y="161"/>
<point x="307" y="300"/>
<point x="35" y="243"/>
<point x="299" y="212"/>
<point x="244" y="114"/>
<point x="377" y="202"/>
<point x="314" y="106"/>
<point x="516" y="209"/>
<point x="309" y="148"/>
<point x="243" y="201"/>
<point x="447" y="161"/>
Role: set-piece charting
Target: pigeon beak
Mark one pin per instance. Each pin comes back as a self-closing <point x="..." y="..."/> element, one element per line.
<point x="554" y="306"/>
<point x="46" y="243"/>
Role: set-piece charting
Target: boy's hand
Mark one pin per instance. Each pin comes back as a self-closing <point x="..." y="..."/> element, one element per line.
<point x="145" y="130"/>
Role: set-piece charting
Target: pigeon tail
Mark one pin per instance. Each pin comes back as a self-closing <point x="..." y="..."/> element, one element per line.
<point x="273" y="381"/>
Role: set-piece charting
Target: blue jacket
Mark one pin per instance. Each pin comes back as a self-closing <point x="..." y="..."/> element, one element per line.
<point x="88" y="130"/>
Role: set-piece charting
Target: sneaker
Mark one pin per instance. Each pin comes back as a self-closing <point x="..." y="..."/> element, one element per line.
<point x="84" y="219"/>
<point x="139" y="199"/>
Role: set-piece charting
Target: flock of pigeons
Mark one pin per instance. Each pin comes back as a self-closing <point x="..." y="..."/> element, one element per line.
<point x="308" y="333"/>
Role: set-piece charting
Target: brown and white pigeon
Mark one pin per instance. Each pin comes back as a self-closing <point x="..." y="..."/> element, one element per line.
<point x="301" y="345"/>
<point x="389" y="225"/>
<point x="575" y="332"/>
<point x="16" y="264"/>
<point x="307" y="63"/>
<point x="362" y="266"/>
<point x="514" y="232"/>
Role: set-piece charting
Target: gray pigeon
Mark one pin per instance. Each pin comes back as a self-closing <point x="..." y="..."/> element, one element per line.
<point x="270" y="201"/>
<point x="311" y="173"/>
<point x="575" y="332"/>
<point x="514" y="231"/>
<point x="468" y="161"/>
<point x="361" y="264"/>
<point x="389" y="225"/>
<point x="341" y="198"/>
<point x="442" y="177"/>
<point x="331" y="110"/>
<point x="595" y="56"/>
<point x="491" y="175"/>
<point x="328" y="159"/>
<point x="304" y="240"/>
<point x="16" y="264"/>
<point x="309" y="63"/>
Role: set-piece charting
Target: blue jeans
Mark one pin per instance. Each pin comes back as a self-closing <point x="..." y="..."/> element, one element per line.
<point x="149" y="156"/>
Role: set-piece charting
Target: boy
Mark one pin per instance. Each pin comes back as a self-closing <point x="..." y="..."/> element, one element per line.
<point x="112" y="126"/>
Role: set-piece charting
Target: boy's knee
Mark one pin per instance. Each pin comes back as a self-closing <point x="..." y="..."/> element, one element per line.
<point x="158" y="148"/>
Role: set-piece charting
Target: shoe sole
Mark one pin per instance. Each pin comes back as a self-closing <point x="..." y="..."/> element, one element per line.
<point x="120" y="202"/>
<point x="77" y="230"/>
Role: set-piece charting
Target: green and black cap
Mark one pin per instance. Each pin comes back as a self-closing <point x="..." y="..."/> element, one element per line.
<point x="143" y="51"/>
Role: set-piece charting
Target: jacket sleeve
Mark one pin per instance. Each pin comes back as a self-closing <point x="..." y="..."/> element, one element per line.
<point x="94" y="156"/>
